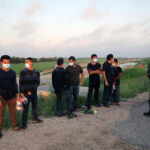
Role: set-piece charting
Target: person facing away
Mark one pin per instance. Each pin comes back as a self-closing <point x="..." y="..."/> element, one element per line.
<point x="94" y="70"/>
<point x="116" y="91"/>
<point x="60" y="85"/>
<point x="8" y="92"/>
<point x="73" y="72"/>
<point x="29" y="81"/>
<point x="148" y="75"/>
<point x="108" y="75"/>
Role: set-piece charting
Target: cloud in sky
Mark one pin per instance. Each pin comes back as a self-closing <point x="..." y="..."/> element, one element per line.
<point x="32" y="8"/>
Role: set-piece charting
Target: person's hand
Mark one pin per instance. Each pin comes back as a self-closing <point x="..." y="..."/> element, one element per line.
<point x="0" y="104"/>
<point x="21" y="95"/>
<point x="81" y="83"/>
<point x="29" y="93"/>
<point x="106" y="83"/>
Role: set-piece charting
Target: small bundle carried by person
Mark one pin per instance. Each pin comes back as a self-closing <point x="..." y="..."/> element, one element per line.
<point x="20" y="103"/>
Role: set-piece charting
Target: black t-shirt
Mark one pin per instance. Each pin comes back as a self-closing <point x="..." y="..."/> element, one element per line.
<point x="73" y="74"/>
<point x="117" y="71"/>
<point x="108" y="68"/>
<point x="94" y="79"/>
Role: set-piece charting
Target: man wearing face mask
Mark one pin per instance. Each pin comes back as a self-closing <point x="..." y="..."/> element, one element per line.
<point x="94" y="70"/>
<point x="28" y="83"/>
<point x="73" y="72"/>
<point x="8" y="92"/>
<point x="108" y="75"/>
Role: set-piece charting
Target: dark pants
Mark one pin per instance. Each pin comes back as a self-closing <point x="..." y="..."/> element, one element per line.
<point x="59" y="96"/>
<point x="107" y="94"/>
<point x="74" y="91"/>
<point x="116" y="94"/>
<point x="68" y="101"/>
<point x="34" y="100"/>
<point x="96" y="94"/>
<point x="12" y="110"/>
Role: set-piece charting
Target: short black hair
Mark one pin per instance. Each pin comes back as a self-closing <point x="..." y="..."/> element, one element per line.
<point x="110" y="56"/>
<point x="72" y="58"/>
<point x="5" y="57"/>
<point x="116" y="60"/>
<point x="60" y="61"/>
<point x="93" y="55"/>
<point x="29" y="58"/>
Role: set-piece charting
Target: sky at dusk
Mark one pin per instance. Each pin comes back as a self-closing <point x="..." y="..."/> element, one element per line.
<point x="49" y="28"/>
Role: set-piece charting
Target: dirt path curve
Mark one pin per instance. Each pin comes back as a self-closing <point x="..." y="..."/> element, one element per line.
<point x="87" y="132"/>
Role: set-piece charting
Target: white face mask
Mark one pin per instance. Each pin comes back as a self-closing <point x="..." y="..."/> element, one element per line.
<point x="27" y="65"/>
<point x="95" y="60"/>
<point x="6" y="66"/>
<point x="70" y="64"/>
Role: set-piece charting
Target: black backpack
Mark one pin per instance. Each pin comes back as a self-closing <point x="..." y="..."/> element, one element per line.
<point x="148" y="73"/>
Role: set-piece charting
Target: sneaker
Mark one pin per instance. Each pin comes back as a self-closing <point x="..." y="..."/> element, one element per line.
<point x="16" y="128"/>
<point x="37" y="121"/>
<point x="1" y="134"/>
<point x="118" y="104"/>
<point x="147" y="114"/>
<point x="71" y="116"/>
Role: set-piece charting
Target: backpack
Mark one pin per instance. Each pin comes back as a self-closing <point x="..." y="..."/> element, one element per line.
<point x="148" y="73"/>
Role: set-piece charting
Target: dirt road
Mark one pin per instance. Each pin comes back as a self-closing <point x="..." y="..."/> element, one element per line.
<point x="107" y="130"/>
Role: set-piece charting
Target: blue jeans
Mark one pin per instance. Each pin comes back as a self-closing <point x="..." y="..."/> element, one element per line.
<point x="116" y="94"/>
<point x="34" y="100"/>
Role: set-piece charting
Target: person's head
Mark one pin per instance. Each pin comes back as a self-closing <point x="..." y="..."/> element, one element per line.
<point x="28" y="62"/>
<point x="116" y="62"/>
<point x="60" y="62"/>
<point x="72" y="60"/>
<point x="5" y="61"/>
<point x="110" y="58"/>
<point x="94" y="58"/>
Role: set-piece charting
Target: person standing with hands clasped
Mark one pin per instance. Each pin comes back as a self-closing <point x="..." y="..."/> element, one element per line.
<point x="28" y="83"/>
<point x="8" y="93"/>
<point x="94" y="70"/>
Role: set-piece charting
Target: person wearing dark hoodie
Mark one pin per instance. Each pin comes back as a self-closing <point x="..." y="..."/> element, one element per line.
<point x="8" y="92"/>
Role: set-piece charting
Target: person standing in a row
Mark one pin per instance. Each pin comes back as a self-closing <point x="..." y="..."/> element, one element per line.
<point x="28" y="84"/>
<point x="94" y="70"/>
<point x="108" y="75"/>
<point x="116" y="91"/>
<point x="8" y="92"/>
<point x="73" y="73"/>
<point x="148" y="75"/>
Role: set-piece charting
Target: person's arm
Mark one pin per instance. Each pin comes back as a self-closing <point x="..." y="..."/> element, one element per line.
<point x="118" y="77"/>
<point x="20" y="85"/>
<point x="16" y="87"/>
<point x="53" y="79"/>
<point x="82" y="78"/>
<point x="105" y="79"/>
<point x="38" y="79"/>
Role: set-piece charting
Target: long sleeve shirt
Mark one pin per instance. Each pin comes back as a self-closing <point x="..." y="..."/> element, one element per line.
<point x="8" y="84"/>
<point x="29" y="80"/>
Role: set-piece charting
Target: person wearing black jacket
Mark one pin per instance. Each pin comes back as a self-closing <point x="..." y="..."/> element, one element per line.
<point x="148" y="74"/>
<point x="8" y="92"/>
<point x="29" y="81"/>
<point x="61" y="85"/>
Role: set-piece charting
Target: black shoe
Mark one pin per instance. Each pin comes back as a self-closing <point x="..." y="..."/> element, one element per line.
<point x="89" y="107"/>
<point x="1" y="134"/>
<point x="106" y="105"/>
<point x="147" y="114"/>
<point x="97" y="105"/>
<point x="71" y="116"/>
<point x="23" y="127"/>
<point x="37" y="121"/>
<point x="60" y="114"/>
